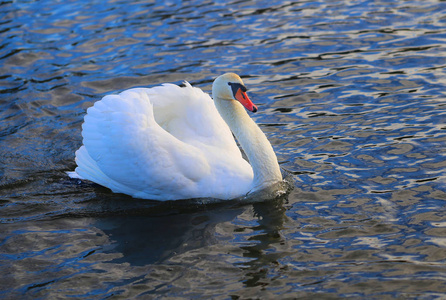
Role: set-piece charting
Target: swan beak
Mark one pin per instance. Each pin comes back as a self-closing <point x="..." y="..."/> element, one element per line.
<point x="243" y="98"/>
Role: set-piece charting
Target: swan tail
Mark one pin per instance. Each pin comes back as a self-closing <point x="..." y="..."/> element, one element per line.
<point x="73" y="175"/>
<point x="88" y="169"/>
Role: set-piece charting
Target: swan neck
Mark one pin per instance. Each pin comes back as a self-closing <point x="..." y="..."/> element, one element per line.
<point x="258" y="149"/>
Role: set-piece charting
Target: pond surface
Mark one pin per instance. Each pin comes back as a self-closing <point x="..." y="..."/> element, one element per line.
<point x="351" y="93"/>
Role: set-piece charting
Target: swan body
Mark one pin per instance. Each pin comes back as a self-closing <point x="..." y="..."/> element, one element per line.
<point x="171" y="142"/>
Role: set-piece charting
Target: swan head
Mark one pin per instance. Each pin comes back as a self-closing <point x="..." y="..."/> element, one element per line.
<point x="230" y="87"/>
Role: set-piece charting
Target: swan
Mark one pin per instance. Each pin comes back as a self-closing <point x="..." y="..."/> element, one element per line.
<point x="170" y="142"/>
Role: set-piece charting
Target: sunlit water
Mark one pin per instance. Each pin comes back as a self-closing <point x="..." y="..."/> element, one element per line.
<point x="350" y="93"/>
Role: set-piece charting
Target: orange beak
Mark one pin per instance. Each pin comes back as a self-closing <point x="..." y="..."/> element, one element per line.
<point x="243" y="98"/>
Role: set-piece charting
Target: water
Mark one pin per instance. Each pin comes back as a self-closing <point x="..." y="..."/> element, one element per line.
<point x="350" y="93"/>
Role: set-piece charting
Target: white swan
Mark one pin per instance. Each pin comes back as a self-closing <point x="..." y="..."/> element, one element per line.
<point x="171" y="142"/>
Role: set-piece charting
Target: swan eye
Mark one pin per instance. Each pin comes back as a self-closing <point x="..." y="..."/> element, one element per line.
<point x="236" y="86"/>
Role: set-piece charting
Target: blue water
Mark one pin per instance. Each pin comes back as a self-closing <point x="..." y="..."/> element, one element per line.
<point x="350" y="93"/>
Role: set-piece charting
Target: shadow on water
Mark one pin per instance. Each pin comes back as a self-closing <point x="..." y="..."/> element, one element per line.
<point x="144" y="240"/>
<point x="148" y="232"/>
